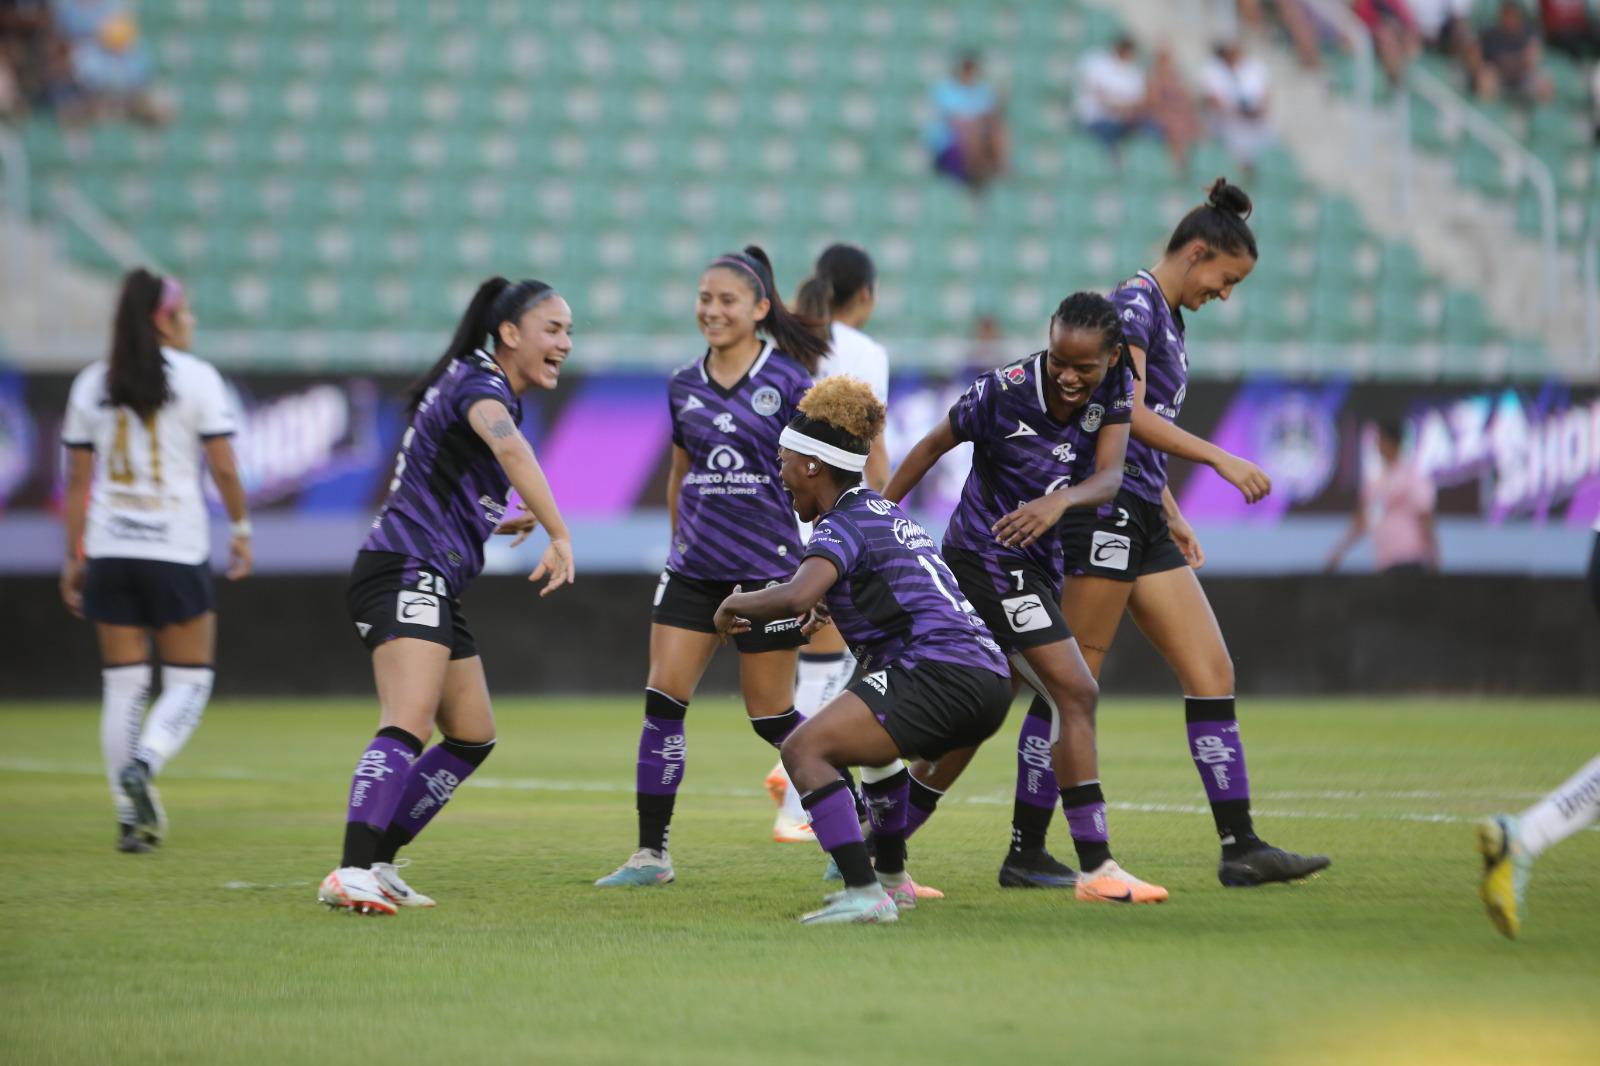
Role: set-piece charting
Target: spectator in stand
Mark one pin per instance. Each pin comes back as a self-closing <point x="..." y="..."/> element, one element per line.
<point x="109" y="63"/>
<point x="1236" y="98"/>
<point x="1172" y="108"/>
<point x="1305" y="31"/>
<point x="25" y="40"/>
<point x="1395" y="36"/>
<point x="1571" y="26"/>
<point x="1446" y="27"/>
<point x="1397" y="504"/>
<point x="1513" y="57"/>
<point x="1112" y="102"/>
<point x="969" y="140"/>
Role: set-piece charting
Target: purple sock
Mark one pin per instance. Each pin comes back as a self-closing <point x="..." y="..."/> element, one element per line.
<point x="1036" y="775"/>
<point x="430" y="784"/>
<point x="375" y="790"/>
<point x="662" y="758"/>
<point x="923" y="802"/>
<point x="833" y="817"/>
<point x="1218" y="753"/>
<point x="1085" y="808"/>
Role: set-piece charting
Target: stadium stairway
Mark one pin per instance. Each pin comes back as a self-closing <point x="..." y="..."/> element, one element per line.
<point x="1457" y="233"/>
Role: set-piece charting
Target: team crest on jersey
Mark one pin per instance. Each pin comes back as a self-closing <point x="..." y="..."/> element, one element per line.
<point x="725" y="423"/>
<point x="1092" y="417"/>
<point x="766" y="401"/>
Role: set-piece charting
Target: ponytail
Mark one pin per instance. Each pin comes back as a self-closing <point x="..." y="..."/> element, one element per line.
<point x="800" y="336"/>
<point x="1219" y="222"/>
<point x="136" y="374"/>
<point x="497" y="300"/>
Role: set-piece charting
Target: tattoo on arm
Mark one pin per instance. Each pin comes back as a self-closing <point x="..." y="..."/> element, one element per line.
<point x="502" y="429"/>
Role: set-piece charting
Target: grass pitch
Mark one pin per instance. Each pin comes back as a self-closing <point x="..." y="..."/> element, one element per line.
<point x="213" y="951"/>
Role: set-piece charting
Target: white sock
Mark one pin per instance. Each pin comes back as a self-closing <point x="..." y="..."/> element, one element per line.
<point x="839" y="677"/>
<point x="812" y="680"/>
<point x="124" y="692"/>
<point x="1568" y="809"/>
<point x="871" y="775"/>
<point x="174" y="718"/>
<point x="791" y="806"/>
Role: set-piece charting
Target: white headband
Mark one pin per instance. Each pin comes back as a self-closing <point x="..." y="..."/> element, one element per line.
<point x="831" y="454"/>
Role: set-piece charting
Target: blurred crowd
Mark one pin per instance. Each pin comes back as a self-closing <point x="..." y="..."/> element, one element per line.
<point x="1496" y="50"/>
<point x="83" y="60"/>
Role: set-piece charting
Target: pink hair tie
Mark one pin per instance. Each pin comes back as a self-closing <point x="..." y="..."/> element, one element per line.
<point x="171" y="297"/>
<point x="735" y="261"/>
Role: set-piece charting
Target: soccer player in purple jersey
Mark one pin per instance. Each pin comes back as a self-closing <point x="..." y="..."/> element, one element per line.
<point x="1137" y="555"/>
<point x="732" y="524"/>
<point x="931" y="677"/>
<point x="460" y="455"/>
<point x="1049" y="433"/>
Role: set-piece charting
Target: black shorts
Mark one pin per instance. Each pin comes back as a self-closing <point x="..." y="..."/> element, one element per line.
<point x="933" y="708"/>
<point x="1122" y="541"/>
<point x="1018" y="601"/>
<point x="691" y="603"/>
<point x="392" y="595"/>
<point x="151" y="593"/>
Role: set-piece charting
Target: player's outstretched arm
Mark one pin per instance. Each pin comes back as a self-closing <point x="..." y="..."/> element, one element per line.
<point x="915" y="466"/>
<point x="1150" y="428"/>
<point x="491" y="421"/>
<point x="1037" y="517"/>
<point x="791" y="599"/>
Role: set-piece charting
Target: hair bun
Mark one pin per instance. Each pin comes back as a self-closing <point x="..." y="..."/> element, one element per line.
<point x="1230" y="198"/>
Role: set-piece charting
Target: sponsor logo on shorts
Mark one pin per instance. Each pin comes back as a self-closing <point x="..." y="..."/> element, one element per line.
<point x="1026" y="613"/>
<point x="661" y="586"/>
<point x="1109" y="551"/>
<point x="783" y="625"/>
<point x="363" y="628"/>
<point x="766" y="401"/>
<point x="417" y="609"/>
<point x="878" y="679"/>
<point x="1093" y="415"/>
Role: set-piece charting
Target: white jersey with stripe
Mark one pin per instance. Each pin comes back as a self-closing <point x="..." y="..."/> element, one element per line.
<point x="145" y="501"/>
<point x="858" y="355"/>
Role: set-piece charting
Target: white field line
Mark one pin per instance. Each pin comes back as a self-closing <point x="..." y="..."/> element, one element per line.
<point x="540" y="784"/>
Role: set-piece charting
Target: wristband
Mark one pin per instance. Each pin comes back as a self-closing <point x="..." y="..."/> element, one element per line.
<point x="240" y="528"/>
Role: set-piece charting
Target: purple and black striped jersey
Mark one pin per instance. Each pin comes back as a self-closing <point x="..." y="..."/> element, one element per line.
<point x="1148" y="323"/>
<point x="735" y="521"/>
<point x="448" y="492"/>
<point x="1020" y="452"/>
<point x="896" y="601"/>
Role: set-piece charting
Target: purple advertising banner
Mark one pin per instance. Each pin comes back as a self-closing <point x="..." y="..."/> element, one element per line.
<point x="1510" y="464"/>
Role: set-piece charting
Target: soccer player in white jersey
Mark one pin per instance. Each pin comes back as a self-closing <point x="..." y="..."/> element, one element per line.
<point x="138" y="539"/>
<point x="842" y="292"/>
<point x="1509" y="843"/>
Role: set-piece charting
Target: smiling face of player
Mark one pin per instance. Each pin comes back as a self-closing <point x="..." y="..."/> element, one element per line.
<point x="808" y="483"/>
<point x="728" y="310"/>
<point x="1074" y="366"/>
<point x="535" y="346"/>
<point x="1210" y="275"/>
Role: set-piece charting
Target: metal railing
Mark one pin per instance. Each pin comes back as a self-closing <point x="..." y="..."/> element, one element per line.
<point x="1457" y="109"/>
<point x="115" y="241"/>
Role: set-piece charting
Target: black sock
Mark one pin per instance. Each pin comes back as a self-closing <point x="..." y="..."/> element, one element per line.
<point x="1234" y="824"/>
<point x="1029" y="824"/>
<point x="774" y="729"/>
<point x="397" y="835"/>
<point x="361" y="844"/>
<point x="855" y="866"/>
<point x="655" y="810"/>
<point x="924" y="799"/>
<point x="1091" y="853"/>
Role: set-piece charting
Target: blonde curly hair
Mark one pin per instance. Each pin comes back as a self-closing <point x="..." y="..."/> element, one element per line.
<point x="845" y="403"/>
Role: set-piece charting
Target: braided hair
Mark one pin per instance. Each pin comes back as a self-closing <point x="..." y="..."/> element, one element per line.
<point x="1091" y="311"/>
